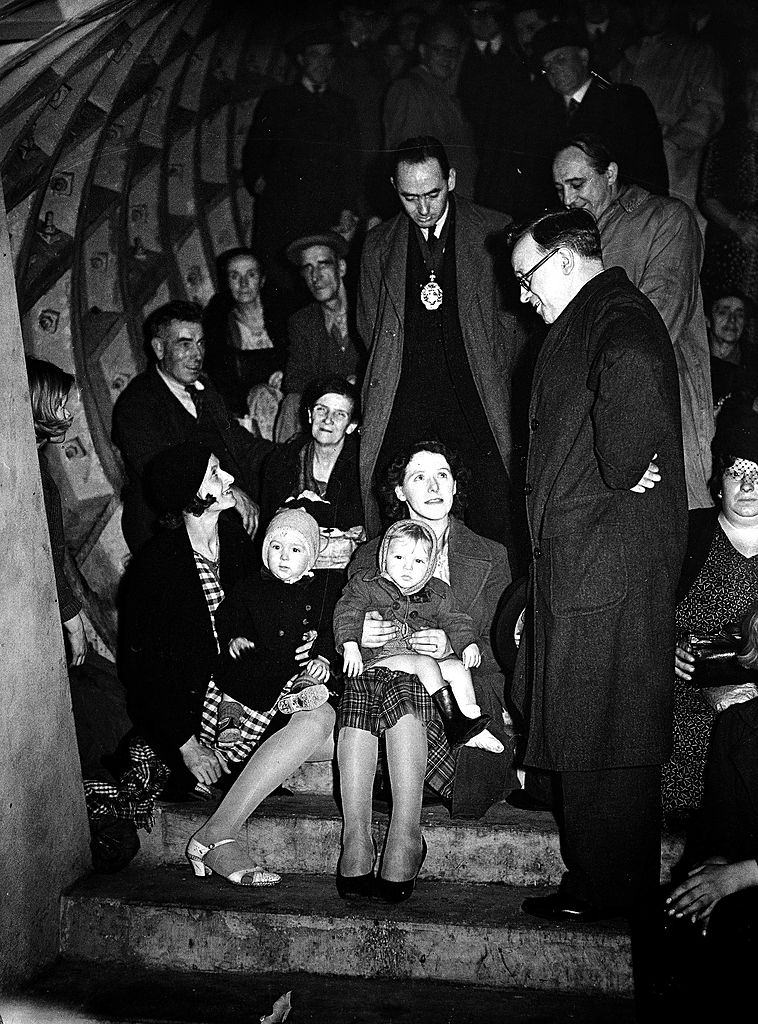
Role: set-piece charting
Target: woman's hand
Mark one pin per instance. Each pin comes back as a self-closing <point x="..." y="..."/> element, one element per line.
<point x="649" y="478"/>
<point x="248" y="510"/>
<point x="206" y="765"/>
<point x="377" y="631"/>
<point x="77" y="639"/>
<point x="318" y="668"/>
<point x="303" y="652"/>
<point x="352" y="661"/>
<point x="706" y="884"/>
<point x="433" y="642"/>
<point x="471" y="656"/>
<point x="684" y="661"/>
<point x="240" y="644"/>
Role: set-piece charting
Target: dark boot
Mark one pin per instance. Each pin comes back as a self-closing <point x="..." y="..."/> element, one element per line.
<point x="458" y="728"/>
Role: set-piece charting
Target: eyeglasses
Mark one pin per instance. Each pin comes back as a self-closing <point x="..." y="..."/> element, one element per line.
<point x="524" y="279"/>
<point x="321" y="412"/>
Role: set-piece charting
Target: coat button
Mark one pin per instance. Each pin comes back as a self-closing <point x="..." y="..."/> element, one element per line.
<point x="395" y="604"/>
<point x="281" y="632"/>
<point x="534" y="423"/>
<point x="305" y="622"/>
<point x="537" y="552"/>
<point x="414" y="615"/>
<point x="527" y="488"/>
<point x="307" y="607"/>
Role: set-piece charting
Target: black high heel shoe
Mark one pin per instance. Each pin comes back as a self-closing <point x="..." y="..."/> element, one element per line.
<point x="398" y="892"/>
<point x="356" y="886"/>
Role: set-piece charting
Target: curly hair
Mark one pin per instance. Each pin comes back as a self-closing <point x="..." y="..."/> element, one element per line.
<point x="173" y="520"/>
<point x="49" y="386"/>
<point x="394" y="475"/>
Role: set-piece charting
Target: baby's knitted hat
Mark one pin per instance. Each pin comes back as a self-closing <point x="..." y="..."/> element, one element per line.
<point x="414" y="530"/>
<point x="294" y="520"/>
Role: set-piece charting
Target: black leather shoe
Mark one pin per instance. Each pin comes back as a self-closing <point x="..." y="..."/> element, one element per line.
<point x="521" y="799"/>
<point x="398" y="892"/>
<point x="357" y="886"/>
<point x="562" y="908"/>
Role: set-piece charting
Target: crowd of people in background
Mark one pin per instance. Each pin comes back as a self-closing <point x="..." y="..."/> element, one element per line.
<point x="495" y="322"/>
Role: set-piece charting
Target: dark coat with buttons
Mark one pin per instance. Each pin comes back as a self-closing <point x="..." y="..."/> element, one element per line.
<point x="167" y="650"/>
<point x="275" y="616"/>
<point x="433" y="607"/>
<point x="594" y="678"/>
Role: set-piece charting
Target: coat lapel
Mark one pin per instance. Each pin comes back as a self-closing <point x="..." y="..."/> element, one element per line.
<point x="468" y="568"/>
<point x="393" y="263"/>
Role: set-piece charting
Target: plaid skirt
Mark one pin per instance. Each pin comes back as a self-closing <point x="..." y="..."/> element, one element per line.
<point x="378" y="698"/>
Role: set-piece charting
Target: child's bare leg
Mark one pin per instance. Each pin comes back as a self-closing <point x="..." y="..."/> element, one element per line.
<point x="458" y="676"/>
<point x="425" y="668"/>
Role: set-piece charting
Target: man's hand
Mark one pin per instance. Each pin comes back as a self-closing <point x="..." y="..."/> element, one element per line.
<point x="433" y="642"/>
<point x="248" y="510"/>
<point x="77" y="639"/>
<point x="352" y="663"/>
<point x="377" y="631"/>
<point x="471" y="656"/>
<point x="206" y="765"/>
<point x="684" y="661"/>
<point x="649" y="478"/>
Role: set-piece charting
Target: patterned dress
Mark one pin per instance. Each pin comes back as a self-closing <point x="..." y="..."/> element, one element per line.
<point x="721" y="593"/>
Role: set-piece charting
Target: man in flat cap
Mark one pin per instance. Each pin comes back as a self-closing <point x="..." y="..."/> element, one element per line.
<point x="582" y="101"/>
<point x="301" y="160"/>
<point x="323" y="341"/>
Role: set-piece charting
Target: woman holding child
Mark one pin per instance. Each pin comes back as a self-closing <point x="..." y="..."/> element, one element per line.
<point x="170" y="651"/>
<point x="425" y="485"/>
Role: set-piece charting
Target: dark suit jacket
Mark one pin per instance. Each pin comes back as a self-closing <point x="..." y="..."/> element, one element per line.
<point x="606" y="560"/>
<point x="492" y="336"/>
<point x="167" y="650"/>
<point x="624" y="118"/>
<point x="479" y="574"/>
<point x="147" y="418"/>
<point x="313" y="353"/>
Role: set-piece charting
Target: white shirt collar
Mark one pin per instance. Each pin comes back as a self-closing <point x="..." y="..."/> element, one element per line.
<point x="579" y="94"/>
<point x="494" y="44"/>
<point x="440" y="223"/>
<point x="179" y="391"/>
<point x="312" y="88"/>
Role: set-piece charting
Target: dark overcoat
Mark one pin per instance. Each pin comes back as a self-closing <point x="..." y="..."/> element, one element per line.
<point x="598" y="653"/>
<point x="492" y="336"/>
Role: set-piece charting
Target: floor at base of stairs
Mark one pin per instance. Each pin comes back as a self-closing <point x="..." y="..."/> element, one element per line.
<point x="87" y="993"/>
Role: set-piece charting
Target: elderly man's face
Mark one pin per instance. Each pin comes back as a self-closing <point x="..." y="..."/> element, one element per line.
<point x="579" y="185"/>
<point x="441" y="53"/>
<point x="541" y="278"/>
<point x="180" y="348"/>
<point x="482" y="18"/>
<point x="727" y="319"/>
<point x="566" y="68"/>
<point x="423" y="191"/>
<point x="322" y="272"/>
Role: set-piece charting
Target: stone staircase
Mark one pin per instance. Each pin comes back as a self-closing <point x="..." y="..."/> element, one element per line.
<point x="463" y="925"/>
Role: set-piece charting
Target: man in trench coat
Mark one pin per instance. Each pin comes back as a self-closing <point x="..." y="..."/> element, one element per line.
<point x="594" y="678"/>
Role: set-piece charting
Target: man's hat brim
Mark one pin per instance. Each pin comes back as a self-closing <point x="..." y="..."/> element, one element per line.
<point x="330" y="239"/>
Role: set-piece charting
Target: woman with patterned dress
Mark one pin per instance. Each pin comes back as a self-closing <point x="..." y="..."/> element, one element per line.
<point x="719" y="583"/>
<point x="170" y="651"/>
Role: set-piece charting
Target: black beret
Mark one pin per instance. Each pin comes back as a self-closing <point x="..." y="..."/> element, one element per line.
<point x="173" y="476"/>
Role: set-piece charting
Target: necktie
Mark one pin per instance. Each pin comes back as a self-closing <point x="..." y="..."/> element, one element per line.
<point x="431" y="241"/>
<point x="571" y="109"/>
<point x="336" y="335"/>
<point x="196" y="396"/>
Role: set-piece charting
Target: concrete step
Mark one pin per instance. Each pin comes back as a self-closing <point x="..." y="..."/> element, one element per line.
<point x="301" y="834"/>
<point x="104" y="993"/>
<point x="155" y="917"/>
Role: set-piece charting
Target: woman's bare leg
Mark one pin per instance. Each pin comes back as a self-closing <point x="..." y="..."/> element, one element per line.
<point x="357" y="751"/>
<point x="406" y="756"/>
<point x="307" y="736"/>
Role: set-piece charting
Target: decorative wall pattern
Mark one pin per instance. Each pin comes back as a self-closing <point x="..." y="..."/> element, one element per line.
<point x="120" y="136"/>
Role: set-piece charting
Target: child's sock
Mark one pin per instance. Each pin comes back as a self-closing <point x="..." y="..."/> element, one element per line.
<point x="483" y="740"/>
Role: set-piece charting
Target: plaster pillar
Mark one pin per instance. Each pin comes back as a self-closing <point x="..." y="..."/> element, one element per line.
<point x="44" y="836"/>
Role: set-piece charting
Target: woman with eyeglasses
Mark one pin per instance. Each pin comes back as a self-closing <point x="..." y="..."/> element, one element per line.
<point x="319" y="471"/>
<point x="718" y="584"/>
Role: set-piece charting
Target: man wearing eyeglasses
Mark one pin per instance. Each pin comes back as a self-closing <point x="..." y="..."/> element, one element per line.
<point x="323" y="340"/>
<point x="608" y="532"/>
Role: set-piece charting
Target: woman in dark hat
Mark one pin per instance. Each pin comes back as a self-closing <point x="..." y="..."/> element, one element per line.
<point x="169" y="652"/>
<point x="718" y="584"/>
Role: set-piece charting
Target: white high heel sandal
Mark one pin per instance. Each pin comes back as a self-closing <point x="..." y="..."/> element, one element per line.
<point x="196" y="854"/>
